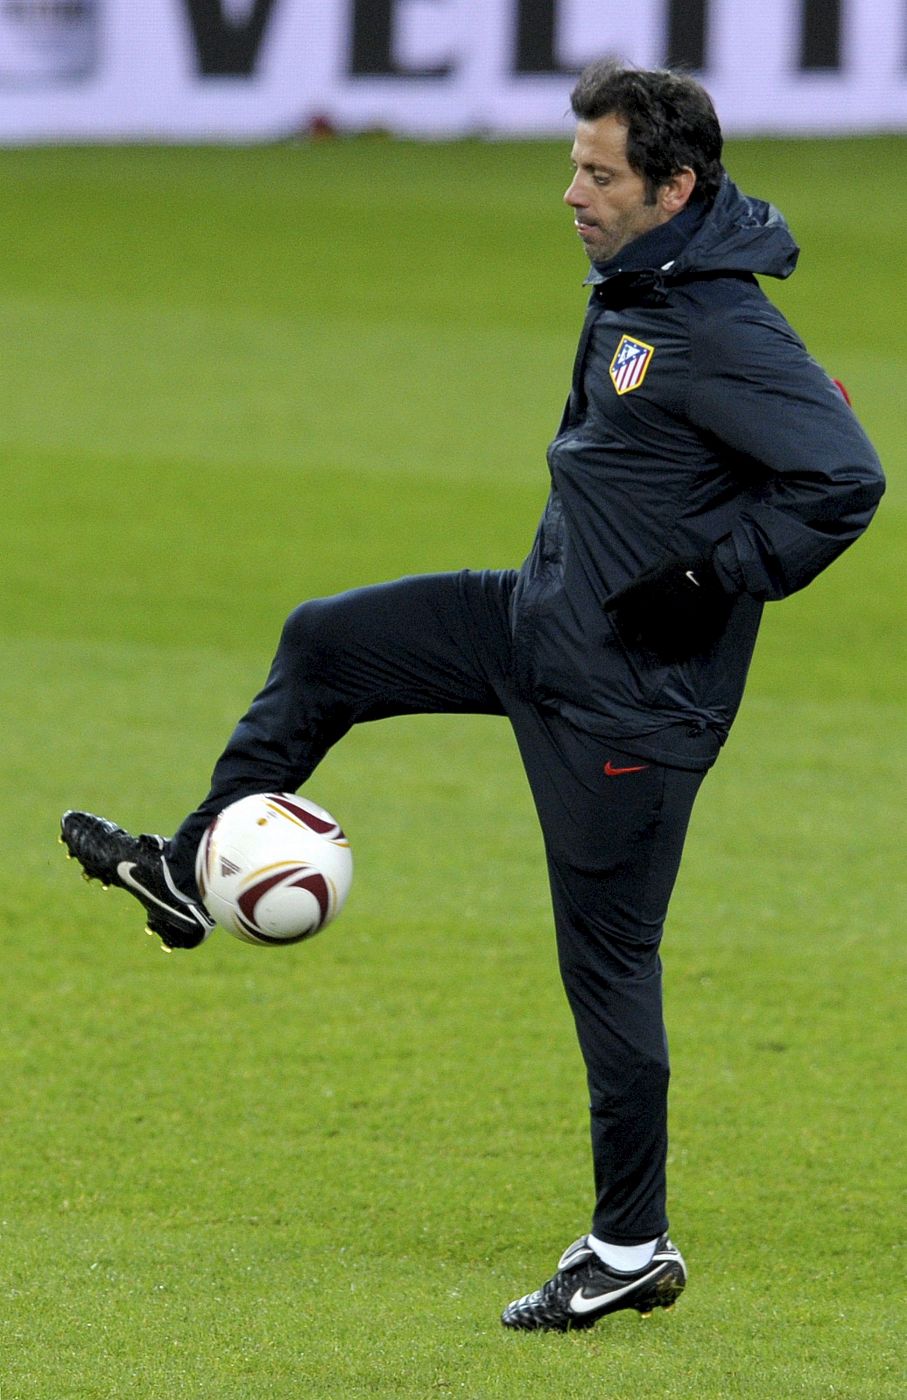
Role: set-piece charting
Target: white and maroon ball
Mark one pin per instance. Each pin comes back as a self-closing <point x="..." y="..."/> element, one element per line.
<point x="274" y="868"/>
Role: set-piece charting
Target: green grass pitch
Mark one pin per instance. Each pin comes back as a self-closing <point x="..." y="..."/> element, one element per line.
<point x="232" y="379"/>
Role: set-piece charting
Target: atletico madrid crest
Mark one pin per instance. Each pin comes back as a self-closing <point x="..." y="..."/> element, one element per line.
<point x="631" y="360"/>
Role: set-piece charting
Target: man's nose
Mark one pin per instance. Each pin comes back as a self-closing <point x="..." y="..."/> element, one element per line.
<point x="573" y="194"/>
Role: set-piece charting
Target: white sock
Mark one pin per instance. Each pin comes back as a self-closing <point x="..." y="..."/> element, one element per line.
<point x="626" y="1258"/>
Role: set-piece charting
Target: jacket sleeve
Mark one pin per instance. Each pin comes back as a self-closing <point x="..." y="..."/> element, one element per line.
<point x="757" y="391"/>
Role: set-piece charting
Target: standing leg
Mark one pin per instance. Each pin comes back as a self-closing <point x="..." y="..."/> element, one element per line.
<point x="613" y="845"/>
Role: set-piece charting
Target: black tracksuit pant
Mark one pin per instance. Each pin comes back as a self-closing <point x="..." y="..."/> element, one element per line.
<point x="613" y="827"/>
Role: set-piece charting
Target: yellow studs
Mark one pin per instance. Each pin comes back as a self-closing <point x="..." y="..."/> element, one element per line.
<point x="645" y="1315"/>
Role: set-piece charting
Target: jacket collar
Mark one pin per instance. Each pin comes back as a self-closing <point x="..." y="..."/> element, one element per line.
<point x="735" y="235"/>
<point x="655" y="250"/>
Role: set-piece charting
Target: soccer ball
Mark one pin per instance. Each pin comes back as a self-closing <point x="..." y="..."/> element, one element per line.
<point x="273" y="868"/>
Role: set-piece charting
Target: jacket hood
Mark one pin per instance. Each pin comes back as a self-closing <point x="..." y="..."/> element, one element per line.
<point x="738" y="234"/>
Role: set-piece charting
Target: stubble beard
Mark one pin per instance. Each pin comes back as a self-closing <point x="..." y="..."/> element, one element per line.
<point x="604" y="246"/>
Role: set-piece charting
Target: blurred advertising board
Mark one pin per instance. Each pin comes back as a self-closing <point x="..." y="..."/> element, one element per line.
<point x="252" y="70"/>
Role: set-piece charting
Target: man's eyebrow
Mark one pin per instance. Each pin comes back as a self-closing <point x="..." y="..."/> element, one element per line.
<point x="594" y="165"/>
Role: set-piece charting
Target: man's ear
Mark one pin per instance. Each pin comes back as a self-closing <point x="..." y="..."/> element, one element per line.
<point x="675" y="192"/>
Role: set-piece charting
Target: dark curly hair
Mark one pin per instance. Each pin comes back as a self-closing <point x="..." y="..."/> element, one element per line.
<point x="670" y="121"/>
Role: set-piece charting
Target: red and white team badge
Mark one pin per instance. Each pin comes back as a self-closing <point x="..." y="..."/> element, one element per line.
<point x="631" y="360"/>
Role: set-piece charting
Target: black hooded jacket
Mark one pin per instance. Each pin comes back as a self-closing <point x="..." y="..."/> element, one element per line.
<point x="697" y="424"/>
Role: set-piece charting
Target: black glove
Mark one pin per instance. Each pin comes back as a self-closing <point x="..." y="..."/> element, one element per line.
<point x="676" y="610"/>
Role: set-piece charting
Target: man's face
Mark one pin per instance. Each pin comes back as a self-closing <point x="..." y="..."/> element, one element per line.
<point x="607" y="197"/>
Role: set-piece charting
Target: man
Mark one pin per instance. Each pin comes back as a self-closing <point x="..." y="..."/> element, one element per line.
<point x="704" y="464"/>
